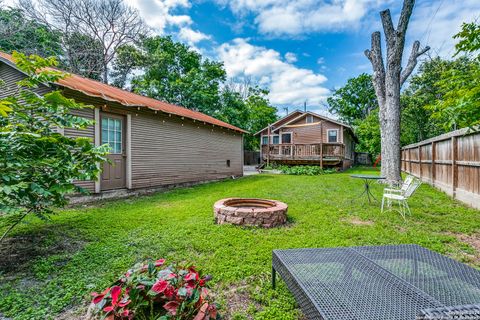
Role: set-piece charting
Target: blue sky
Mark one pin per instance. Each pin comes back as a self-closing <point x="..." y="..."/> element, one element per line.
<point x="299" y="49"/>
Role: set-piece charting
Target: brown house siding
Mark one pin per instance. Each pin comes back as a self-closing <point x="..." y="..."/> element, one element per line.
<point x="166" y="152"/>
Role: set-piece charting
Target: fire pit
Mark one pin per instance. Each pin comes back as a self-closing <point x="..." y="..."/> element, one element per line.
<point x="250" y="212"/>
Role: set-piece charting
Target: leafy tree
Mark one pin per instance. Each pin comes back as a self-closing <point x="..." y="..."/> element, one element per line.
<point x="176" y="74"/>
<point x="128" y="59"/>
<point x="261" y="114"/>
<point x="460" y="104"/>
<point x="87" y="63"/>
<point x="27" y="36"/>
<point x="368" y="133"/>
<point x="354" y="101"/>
<point x="418" y="122"/>
<point x="38" y="164"/>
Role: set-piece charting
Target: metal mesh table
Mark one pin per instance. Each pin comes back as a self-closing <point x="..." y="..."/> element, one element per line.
<point x="375" y="282"/>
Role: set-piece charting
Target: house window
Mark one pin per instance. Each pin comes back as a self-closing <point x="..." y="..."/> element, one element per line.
<point x="112" y="134"/>
<point x="333" y="135"/>
<point x="309" y="119"/>
<point x="264" y="139"/>
<point x="286" y="138"/>
<point x="228" y="163"/>
<point x="276" y="139"/>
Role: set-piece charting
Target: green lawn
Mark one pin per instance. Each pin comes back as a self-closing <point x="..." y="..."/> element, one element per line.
<point x="49" y="268"/>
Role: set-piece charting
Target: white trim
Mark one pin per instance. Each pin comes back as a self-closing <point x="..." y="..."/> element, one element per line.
<point x="289" y="133"/>
<point x="97" y="143"/>
<point x="328" y="136"/>
<point x="128" y="147"/>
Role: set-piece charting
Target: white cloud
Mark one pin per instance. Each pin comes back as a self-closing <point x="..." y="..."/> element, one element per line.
<point x="295" y="17"/>
<point x="191" y="36"/>
<point x="288" y="84"/>
<point x="290" y="57"/>
<point x="158" y="13"/>
<point x="321" y="60"/>
<point x="435" y="23"/>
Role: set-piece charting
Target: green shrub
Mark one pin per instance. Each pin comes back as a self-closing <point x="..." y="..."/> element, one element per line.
<point x="305" y="170"/>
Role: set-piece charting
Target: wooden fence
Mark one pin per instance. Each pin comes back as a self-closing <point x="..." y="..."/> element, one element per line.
<point x="450" y="162"/>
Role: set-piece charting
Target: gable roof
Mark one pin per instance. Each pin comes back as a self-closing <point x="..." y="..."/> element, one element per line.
<point x="104" y="91"/>
<point x="301" y="115"/>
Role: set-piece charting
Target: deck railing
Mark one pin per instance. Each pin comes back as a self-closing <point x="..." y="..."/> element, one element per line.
<point x="303" y="151"/>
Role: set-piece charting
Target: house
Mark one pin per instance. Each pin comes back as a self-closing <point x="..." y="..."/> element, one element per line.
<point x="153" y="143"/>
<point x="304" y="137"/>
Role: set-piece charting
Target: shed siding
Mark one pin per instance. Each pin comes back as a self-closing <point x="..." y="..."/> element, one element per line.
<point x="164" y="152"/>
<point x="10" y="76"/>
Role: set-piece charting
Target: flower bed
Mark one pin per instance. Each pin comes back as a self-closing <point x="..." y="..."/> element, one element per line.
<point x="153" y="290"/>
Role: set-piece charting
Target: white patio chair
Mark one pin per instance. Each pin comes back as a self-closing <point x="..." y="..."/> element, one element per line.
<point x="401" y="196"/>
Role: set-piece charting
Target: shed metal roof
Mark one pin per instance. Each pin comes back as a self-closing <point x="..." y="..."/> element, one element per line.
<point x="104" y="91"/>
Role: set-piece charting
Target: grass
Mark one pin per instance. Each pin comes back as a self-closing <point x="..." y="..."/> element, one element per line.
<point x="49" y="268"/>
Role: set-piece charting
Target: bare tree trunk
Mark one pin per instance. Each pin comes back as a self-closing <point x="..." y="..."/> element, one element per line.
<point x="387" y="81"/>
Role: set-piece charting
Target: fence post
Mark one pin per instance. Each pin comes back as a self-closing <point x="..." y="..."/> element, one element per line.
<point x="419" y="148"/>
<point x="454" y="165"/>
<point x="434" y="156"/>
<point x="410" y="160"/>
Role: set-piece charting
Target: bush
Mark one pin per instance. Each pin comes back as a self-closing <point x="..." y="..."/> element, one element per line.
<point x="305" y="170"/>
<point x="152" y="290"/>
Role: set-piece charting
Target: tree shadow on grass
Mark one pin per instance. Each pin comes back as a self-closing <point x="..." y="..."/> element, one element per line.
<point x="20" y="251"/>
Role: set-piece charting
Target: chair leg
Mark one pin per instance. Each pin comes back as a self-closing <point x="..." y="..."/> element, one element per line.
<point x="383" y="202"/>
<point x="408" y="208"/>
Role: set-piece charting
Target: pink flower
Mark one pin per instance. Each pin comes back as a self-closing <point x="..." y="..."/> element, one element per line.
<point x="160" y="286"/>
<point x="159" y="262"/>
<point x="171" y="307"/>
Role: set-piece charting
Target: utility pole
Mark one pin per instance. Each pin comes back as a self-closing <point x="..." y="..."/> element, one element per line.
<point x="305" y="106"/>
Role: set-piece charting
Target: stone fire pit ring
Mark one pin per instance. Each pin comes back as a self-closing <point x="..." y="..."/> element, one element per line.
<point x="250" y="212"/>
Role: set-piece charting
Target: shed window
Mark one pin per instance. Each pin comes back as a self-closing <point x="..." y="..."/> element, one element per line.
<point x="276" y="140"/>
<point x="286" y="138"/>
<point x="228" y="163"/>
<point x="265" y="140"/>
<point x="309" y="119"/>
<point x="112" y="134"/>
<point x="332" y="135"/>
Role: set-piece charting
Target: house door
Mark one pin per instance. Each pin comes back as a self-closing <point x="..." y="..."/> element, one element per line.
<point x="113" y="134"/>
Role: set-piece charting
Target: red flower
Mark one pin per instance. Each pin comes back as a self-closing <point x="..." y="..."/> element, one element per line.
<point x="171" y="307"/>
<point x="124" y="303"/>
<point x="125" y="313"/>
<point x="97" y="297"/>
<point x="160" y="286"/>
<point x="201" y="283"/>
<point x="159" y="262"/>
<point x="115" y="294"/>
<point x="191" y="276"/>
<point x="108" y="309"/>
<point x="169" y="292"/>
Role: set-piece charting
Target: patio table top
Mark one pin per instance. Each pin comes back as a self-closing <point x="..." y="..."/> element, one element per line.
<point x="391" y="282"/>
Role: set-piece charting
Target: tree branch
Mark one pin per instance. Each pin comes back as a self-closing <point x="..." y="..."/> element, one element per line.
<point x="387" y="25"/>
<point x="405" y="15"/>
<point x="13" y="226"/>
<point x="376" y="58"/>
<point x="412" y="61"/>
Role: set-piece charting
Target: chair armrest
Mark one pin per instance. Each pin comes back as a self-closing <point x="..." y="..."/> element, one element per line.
<point x="388" y="190"/>
<point x="468" y="311"/>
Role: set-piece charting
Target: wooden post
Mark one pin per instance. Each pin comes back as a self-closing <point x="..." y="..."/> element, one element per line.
<point x="419" y="148"/>
<point x="268" y="146"/>
<point x="410" y="160"/>
<point x="434" y="156"/>
<point x="454" y="165"/>
<point x="321" y="144"/>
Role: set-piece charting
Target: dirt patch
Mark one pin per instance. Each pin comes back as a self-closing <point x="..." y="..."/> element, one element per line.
<point x="358" y="222"/>
<point x="76" y="313"/>
<point x="236" y="300"/>
<point x="19" y="251"/>
<point x="474" y="241"/>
